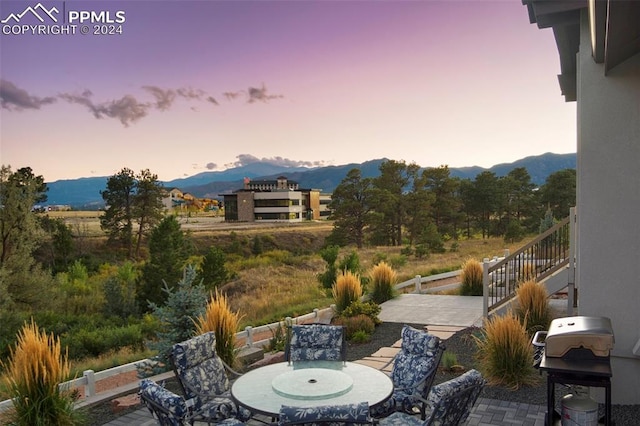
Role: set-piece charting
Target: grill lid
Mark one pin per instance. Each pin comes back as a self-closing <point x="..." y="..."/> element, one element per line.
<point x="592" y="333"/>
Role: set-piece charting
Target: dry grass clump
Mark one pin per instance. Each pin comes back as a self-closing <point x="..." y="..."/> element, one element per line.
<point x="219" y="318"/>
<point x="35" y="368"/>
<point x="505" y="353"/>
<point x="532" y="307"/>
<point x="383" y="278"/>
<point x="471" y="278"/>
<point x="346" y="289"/>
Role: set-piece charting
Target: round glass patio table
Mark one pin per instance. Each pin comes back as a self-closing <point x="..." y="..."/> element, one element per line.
<point x="310" y="383"/>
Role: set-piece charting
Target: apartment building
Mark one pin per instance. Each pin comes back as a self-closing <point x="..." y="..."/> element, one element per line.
<point x="273" y="201"/>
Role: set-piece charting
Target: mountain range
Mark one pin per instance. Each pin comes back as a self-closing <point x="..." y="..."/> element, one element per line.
<point x="84" y="193"/>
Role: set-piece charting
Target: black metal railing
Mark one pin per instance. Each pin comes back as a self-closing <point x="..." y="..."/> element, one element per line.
<point x="539" y="259"/>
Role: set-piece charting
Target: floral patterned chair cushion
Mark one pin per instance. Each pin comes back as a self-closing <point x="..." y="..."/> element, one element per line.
<point x="167" y="407"/>
<point x="414" y="368"/>
<point x="327" y="414"/>
<point x="171" y="409"/>
<point x="450" y="403"/>
<point x="203" y="377"/>
<point x="316" y="342"/>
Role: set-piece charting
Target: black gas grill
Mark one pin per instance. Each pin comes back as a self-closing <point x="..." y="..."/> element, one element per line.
<point x="575" y="350"/>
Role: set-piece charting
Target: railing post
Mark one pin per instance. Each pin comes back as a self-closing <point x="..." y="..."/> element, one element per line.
<point x="485" y="288"/>
<point x="90" y="387"/>
<point x="249" y="340"/>
<point x="418" y="284"/>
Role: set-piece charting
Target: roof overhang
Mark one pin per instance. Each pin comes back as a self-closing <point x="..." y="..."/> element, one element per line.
<point x="615" y="32"/>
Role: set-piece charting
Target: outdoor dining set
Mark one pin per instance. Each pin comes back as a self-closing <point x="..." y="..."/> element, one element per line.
<point x="315" y="385"/>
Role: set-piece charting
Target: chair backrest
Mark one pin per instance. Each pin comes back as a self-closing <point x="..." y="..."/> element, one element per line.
<point x="199" y="369"/>
<point x="167" y="407"/>
<point x="316" y="342"/>
<point x="346" y="413"/>
<point x="416" y="364"/>
<point x="452" y="401"/>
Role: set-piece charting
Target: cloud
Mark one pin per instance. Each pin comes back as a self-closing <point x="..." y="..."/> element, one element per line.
<point x="164" y="98"/>
<point x="246" y="159"/>
<point x="190" y="93"/>
<point x="230" y="96"/>
<point x="261" y="95"/>
<point x="13" y="97"/>
<point x="127" y="109"/>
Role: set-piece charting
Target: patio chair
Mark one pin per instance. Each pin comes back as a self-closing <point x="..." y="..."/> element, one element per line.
<point x="449" y="403"/>
<point x="316" y="342"/>
<point x="202" y="375"/>
<point x="414" y="368"/>
<point x="346" y="414"/>
<point x="170" y="409"/>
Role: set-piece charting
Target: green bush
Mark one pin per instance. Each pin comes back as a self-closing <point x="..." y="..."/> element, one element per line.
<point x="361" y="336"/>
<point x="357" y="307"/>
<point x="449" y="360"/>
<point x="398" y="261"/>
<point x="84" y="342"/>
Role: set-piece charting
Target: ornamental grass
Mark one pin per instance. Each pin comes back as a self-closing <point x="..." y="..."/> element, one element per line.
<point x="532" y="307"/>
<point x="505" y="353"/>
<point x="471" y="278"/>
<point x="383" y="278"/>
<point x="220" y="319"/>
<point x="346" y="289"/>
<point x="33" y="372"/>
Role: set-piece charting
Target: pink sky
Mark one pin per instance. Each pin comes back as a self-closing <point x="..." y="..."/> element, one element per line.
<point x="195" y="86"/>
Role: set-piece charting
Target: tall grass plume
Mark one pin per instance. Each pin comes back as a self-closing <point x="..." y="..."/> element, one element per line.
<point x="471" y="278"/>
<point x="33" y="372"/>
<point x="346" y="289"/>
<point x="532" y="307"/>
<point x="505" y="353"/>
<point x="219" y="318"/>
<point x="383" y="278"/>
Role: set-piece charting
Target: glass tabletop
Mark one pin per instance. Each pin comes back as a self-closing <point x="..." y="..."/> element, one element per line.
<point x="310" y="383"/>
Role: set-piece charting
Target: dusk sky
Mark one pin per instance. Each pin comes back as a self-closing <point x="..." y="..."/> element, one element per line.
<point x="192" y="86"/>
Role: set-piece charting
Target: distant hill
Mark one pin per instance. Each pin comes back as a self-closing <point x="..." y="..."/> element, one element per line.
<point x="84" y="193"/>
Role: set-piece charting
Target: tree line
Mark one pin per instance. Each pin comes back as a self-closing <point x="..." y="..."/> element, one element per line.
<point x="421" y="208"/>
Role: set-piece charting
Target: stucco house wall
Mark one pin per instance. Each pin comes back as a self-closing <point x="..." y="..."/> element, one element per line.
<point x="608" y="206"/>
